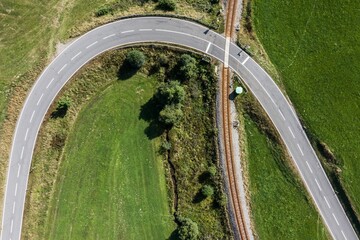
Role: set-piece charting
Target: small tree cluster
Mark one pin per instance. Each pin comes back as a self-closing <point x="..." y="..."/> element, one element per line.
<point x="187" y="67"/>
<point x="171" y="96"/>
<point x="166" y="5"/>
<point x="135" y="59"/>
<point x="188" y="229"/>
<point x="207" y="191"/>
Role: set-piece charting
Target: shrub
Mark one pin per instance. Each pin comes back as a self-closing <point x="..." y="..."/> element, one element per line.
<point x="188" y="68"/>
<point x="171" y="115"/>
<point x="171" y="93"/>
<point x="188" y="229"/>
<point x="212" y="171"/>
<point x="62" y="107"/>
<point x="103" y="11"/>
<point x="135" y="58"/>
<point x="166" y="5"/>
<point x="207" y="190"/>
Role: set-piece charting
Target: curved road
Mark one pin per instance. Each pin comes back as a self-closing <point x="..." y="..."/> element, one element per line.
<point x="167" y="31"/>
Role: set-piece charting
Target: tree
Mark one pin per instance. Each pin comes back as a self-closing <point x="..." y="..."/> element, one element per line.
<point x="166" y="5"/>
<point x="207" y="190"/>
<point x="62" y="107"/>
<point x="212" y="171"/>
<point x="188" y="68"/>
<point x="171" y="93"/>
<point x="188" y="229"/>
<point x="171" y="114"/>
<point x="135" y="58"/>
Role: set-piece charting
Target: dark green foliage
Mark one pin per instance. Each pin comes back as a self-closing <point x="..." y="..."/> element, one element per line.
<point x="171" y="93"/>
<point x="187" y="67"/>
<point x="171" y="114"/>
<point x="135" y="58"/>
<point x="104" y="10"/>
<point x="212" y="171"/>
<point x="166" y="5"/>
<point x="207" y="190"/>
<point x="62" y="107"/>
<point x="188" y="229"/>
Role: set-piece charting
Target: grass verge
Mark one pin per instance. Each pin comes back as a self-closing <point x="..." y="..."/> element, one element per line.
<point x="313" y="45"/>
<point x="280" y="206"/>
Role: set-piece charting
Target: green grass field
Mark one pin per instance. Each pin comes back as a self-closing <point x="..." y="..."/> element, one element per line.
<point x="111" y="183"/>
<point x="315" y="48"/>
<point x="279" y="206"/>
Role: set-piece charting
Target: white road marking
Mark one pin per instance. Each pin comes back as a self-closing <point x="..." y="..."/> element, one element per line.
<point x="309" y="166"/>
<point x="282" y="115"/>
<point x="22" y="152"/>
<point x="62" y="68"/>
<point x="37" y="104"/>
<point x="291" y="132"/>
<point x="246" y="59"/>
<point x="343" y="234"/>
<point x="12" y="225"/>
<point x="127" y="31"/>
<point x="50" y="83"/>
<point x="18" y="173"/>
<point x="317" y="183"/>
<point x="207" y="48"/>
<point x="300" y="150"/>
<point x="226" y="58"/>
<point x="32" y="115"/>
<point x="336" y="219"/>
<point x="75" y="56"/>
<point x="16" y="185"/>
<point x="14" y="207"/>
<point x="26" y="134"/>
<point x="327" y="202"/>
<point x="109" y="36"/>
<point x="89" y="46"/>
<point x="145" y="29"/>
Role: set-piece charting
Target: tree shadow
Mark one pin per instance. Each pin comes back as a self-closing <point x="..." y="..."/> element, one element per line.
<point x="60" y="112"/>
<point x="150" y="113"/>
<point x="199" y="197"/>
<point x="232" y="95"/>
<point x="204" y="177"/>
<point x="126" y="71"/>
<point x="174" y="235"/>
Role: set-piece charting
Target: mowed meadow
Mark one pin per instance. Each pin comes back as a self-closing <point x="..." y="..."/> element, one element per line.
<point x="315" y="48"/>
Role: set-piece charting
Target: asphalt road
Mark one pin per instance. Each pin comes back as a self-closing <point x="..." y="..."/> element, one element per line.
<point x="167" y="31"/>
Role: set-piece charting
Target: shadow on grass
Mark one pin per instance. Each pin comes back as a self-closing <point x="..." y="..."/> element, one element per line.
<point x="150" y="113"/>
<point x="199" y="197"/>
<point x="174" y="235"/>
<point x="126" y="71"/>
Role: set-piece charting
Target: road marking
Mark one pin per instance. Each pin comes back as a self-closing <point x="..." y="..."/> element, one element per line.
<point x="22" y="152"/>
<point x="14" y="207"/>
<point x="32" y="115"/>
<point x="282" y="115"/>
<point x="62" y="68"/>
<point x="109" y="36"/>
<point x="343" y="234"/>
<point x="327" y="202"/>
<point x="300" y="150"/>
<point x="12" y="225"/>
<point x="37" y="104"/>
<point x="16" y="185"/>
<point x="18" y="174"/>
<point x="207" y="48"/>
<point x="246" y="59"/>
<point x="50" y="83"/>
<point x="129" y="31"/>
<point x="336" y="219"/>
<point x="145" y="29"/>
<point x="76" y="56"/>
<point x="26" y="134"/>
<point x="291" y="132"/>
<point x="92" y="44"/>
<point x="317" y="183"/>
<point x="309" y="166"/>
<point x="226" y="58"/>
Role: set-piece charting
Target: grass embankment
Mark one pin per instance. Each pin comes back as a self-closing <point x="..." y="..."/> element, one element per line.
<point x="314" y="46"/>
<point x="192" y="163"/>
<point x="112" y="183"/>
<point x="280" y="205"/>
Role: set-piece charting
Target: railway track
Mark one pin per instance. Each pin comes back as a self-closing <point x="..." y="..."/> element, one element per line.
<point x="227" y="128"/>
